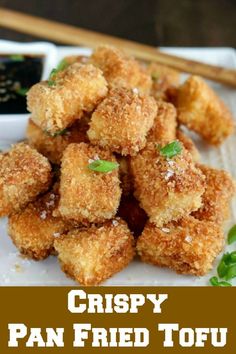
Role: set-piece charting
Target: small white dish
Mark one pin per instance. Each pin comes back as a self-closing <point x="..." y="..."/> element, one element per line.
<point x="12" y="126"/>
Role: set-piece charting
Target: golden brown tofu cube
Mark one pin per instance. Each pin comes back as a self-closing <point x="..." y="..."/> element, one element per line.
<point x="188" y="246"/>
<point x="24" y="173"/>
<point x="53" y="146"/>
<point x="167" y="189"/>
<point x="163" y="130"/>
<point x="220" y="188"/>
<point x="200" y="109"/>
<point x="55" y="104"/>
<point x="163" y="78"/>
<point x="86" y="195"/>
<point x="34" y="229"/>
<point x="122" y="121"/>
<point x="121" y="70"/>
<point x="130" y="211"/>
<point x="93" y="255"/>
<point x="188" y="145"/>
<point x="125" y="175"/>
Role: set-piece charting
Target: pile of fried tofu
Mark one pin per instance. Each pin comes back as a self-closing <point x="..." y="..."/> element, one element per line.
<point x="110" y="109"/>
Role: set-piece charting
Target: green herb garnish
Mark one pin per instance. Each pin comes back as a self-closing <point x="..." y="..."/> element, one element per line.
<point x="103" y="166"/>
<point x="60" y="67"/>
<point x="17" y="57"/>
<point x="231" y="272"/>
<point x="155" y="76"/>
<point x="232" y="235"/>
<point x="224" y="265"/>
<point x="215" y="282"/>
<point x="22" y="91"/>
<point x="170" y="150"/>
<point x="59" y="132"/>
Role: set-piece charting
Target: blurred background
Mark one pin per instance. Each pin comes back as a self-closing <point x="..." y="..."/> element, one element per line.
<point x="155" y="22"/>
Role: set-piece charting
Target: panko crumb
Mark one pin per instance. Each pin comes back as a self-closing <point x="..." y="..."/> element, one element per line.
<point x="86" y="195"/>
<point x="167" y="192"/>
<point x="190" y="247"/>
<point x="93" y="255"/>
<point x="121" y="70"/>
<point x="77" y="89"/>
<point x="122" y="121"/>
<point x="200" y="109"/>
<point x="24" y="173"/>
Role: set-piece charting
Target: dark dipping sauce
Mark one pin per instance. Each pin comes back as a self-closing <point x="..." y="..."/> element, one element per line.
<point x="18" y="72"/>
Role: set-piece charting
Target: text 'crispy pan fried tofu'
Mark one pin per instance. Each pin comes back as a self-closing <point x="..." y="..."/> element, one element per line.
<point x="122" y="121"/>
<point x="24" y="173"/>
<point x="93" y="255"/>
<point x="75" y="90"/>
<point x="34" y="229"/>
<point x="220" y="188"/>
<point x="188" y="145"/>
<point x="163" y="78"/>
<point x="200" y="109"/>
<point x="188" y="246"/>
<point x="87" y="195"/>
<point x="121" y="70"/>
<point x="53" y="146"/>
<point x="167" y="189"/>
<point x="163" y="130"/>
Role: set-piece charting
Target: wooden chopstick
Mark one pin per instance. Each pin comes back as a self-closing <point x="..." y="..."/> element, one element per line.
<point x="67" y="34"/>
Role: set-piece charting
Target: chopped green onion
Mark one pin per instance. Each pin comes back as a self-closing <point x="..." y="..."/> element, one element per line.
<point x="215" y="282"/>
<point x="155" y="76"/>
<point x="22" y="91"/>
<point x="103" y="166"/>
<point x="59" y="132"/>
<point x="171" y="150"/>
<point x="17" y="57"/>
<point x="232" y="235"/>
<point x="62" y="65"/>
<point x="231" y="272"/>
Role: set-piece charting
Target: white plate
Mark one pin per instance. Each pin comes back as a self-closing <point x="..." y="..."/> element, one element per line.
<point x="18" y="271"/>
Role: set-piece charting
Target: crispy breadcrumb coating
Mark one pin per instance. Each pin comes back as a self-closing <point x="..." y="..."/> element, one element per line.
<point x="122" y="121"/>
<point x="34" y="229"/>
<point x="93" y="255"/>
<point x="121" y="70"/>
<point x="87" y="195"/>
<point x="74" y="90"/>
<point x="53" y="146"/>
<point x="130" y="211"/>
<point x="24" y="173"/>
<point x="163" y="130"/>
<point x="220" y="188"/>
<point x="167" y="189"/>
<point x="163" y="78"/>
<point x="200" y="109"/>
<point x="188" y="145"/>
<point x="188" y="246"/>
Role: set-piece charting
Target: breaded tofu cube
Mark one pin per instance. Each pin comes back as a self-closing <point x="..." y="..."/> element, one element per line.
<point x="121" y="70"/>
<point x="87" y="195"/>
<point x="55" y="104"/>
<point x="93" y="255"/>
<point x="188" y="145"/>
<point x="52" y="146"/>
<point x="188" y="246"/>
<point x="34" y="229"/>
<point x="200" y="109"/>
<point x="167" y="189"/>
<point x="122" y="121"/>
<point x="130" y="211"/>
<point x="220" y="188"/>
<point x="163" y="78"/>
<point x="163" y="130"/>
<point x="125" y="175"/>
<point x="24" y="173"/>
